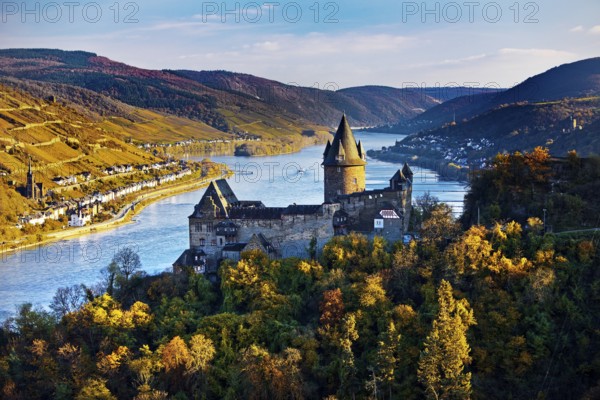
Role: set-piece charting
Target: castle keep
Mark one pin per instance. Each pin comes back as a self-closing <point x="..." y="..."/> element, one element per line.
<point x="222" y="226"/>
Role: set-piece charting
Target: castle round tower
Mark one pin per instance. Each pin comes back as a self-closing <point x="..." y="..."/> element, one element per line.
<point x="344" y="163"/>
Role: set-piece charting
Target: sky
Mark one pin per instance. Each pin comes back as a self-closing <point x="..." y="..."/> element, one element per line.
<point x="323" y="44"/>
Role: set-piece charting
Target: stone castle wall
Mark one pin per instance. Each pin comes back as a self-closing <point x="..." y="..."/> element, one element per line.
<point x="343" y="180"/>
<point x="369" y="201"/>
<point x="290" y="235"/>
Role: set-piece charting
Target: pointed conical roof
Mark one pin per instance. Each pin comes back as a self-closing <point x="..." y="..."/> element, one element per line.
<point x="327" y="149"/>
<point x="344" y="150"/>
<point x="398" y="177"/>
<point x="361" y="151"/>
<point x="406" y="171"/>
<point x="341" y="153"/>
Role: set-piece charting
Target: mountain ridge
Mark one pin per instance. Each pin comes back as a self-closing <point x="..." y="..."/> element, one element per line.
<point x="577" y="79"/>
<point x="213" y="96"/>
<point x="204" y="95"/>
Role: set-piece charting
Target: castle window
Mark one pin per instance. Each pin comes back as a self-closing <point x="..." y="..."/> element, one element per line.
<point x="209" y="227"/>
<point x="202" y="242"/>
<point x="339" y="158"/>
<point x="339" y="169"/>
<point x="197" y="227"/>
<point x="355" y="181"/>
<point x="220" y="241"/>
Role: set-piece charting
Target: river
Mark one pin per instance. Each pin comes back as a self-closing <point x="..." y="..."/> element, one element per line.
<point x="159" y="233"/>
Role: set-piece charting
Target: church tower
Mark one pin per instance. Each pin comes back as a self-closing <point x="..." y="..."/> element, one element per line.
<point x="30" y="186"/>
<point x="33" y="189"/>
<point x="344" y="162"/>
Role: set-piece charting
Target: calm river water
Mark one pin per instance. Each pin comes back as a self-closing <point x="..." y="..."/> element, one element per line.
<point x="159" y="232"/>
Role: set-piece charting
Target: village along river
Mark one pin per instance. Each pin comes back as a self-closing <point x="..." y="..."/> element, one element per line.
<point x="160" y="232"/>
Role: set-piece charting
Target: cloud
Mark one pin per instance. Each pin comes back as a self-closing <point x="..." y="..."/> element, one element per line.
<point x="464" y="60"/>
<point x="314" y="44"/>
<point x="538" y="53"/>
<point x="595" y="30"/>
<point x="577" y="28"/>
<point x="267" y="46"/>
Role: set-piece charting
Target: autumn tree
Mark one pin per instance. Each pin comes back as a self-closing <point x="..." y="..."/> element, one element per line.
<point x="446" y="351"/>
<point x="372" y="293"/>
<point x="388" y="356"/>
<point x="347" y="368"/>
<point x="440" y="226"/>
<point x="95" y="389"/>
<point x="275" y="376"/>
<point x="201" y="353"/>
<point x="175" y="355"/>
<point x="332" y="312"/>
<point x="145" y="367"/>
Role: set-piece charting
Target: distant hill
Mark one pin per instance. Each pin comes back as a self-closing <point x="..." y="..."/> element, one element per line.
<point x="558" y="109"/>
<point x="230" y="102"/>
<point x="365" y="106"/>
<point x="580" y="79"/>
<point x="574" y="80"/>
<point x="560" y="126"/>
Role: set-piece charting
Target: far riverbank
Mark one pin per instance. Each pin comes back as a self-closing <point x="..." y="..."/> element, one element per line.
<point x="124" y="216"/>
<point x="445" y="170"/>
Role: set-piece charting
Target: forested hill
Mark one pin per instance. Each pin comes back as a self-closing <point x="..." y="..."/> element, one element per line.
<point x="578" y="80"/>
<point x="226" y="101"/>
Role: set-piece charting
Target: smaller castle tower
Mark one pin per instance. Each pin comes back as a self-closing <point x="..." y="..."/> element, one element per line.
<point x="344" y="161"/>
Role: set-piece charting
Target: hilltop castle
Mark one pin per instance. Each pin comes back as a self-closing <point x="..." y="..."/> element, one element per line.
<point x="222" y="226"/>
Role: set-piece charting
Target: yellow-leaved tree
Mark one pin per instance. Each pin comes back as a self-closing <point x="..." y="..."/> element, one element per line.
<point x="442" y="363"/>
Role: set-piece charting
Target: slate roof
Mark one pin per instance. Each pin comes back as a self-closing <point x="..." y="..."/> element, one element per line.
<point x="190" y="257"/>
<point x="221" y="195"/>
<point x="302" y="209"/>
<point x="236" y="247"/>
<point x="265" y="242"/>
<point x="343" y="151"/>
<point x="398" y="177"/>
<point x="249" y="204"/>
<point x="225" y="191"/>
<point x="256" y="213"/>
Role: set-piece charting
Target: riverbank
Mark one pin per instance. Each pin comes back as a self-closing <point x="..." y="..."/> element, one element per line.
<point x="253" y="148"/>
<point x="445" y="170"/>
<point x="133" y="207"/>
<point x="123" y="216"/>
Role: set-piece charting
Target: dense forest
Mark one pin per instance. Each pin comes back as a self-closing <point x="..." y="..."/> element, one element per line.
<point x="501" y="310"/>
<point x="563" y="191"/>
